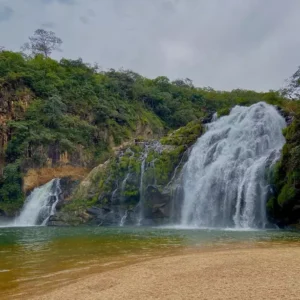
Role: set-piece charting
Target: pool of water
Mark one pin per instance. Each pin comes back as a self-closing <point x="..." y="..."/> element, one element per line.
<point x="42" y="257"/>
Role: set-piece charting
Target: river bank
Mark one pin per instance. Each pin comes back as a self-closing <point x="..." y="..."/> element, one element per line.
<point x="269" y="272"/>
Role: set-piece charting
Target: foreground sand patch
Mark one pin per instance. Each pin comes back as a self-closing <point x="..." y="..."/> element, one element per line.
<point x="257" y="273"/>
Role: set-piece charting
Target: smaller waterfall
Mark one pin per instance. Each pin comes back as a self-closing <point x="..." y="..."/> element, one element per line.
<point x="113" y="195"/>
<point x="123" y="185"/>
<point x="176" y="188"/>
<point x="152" y="165"/>
<point x="123" y="219"/>
<point x="184" y="157"/>
<point x="149" y="147"/>
<point x="141" y="189"/>
<point x="214" y="117"/>
<point x="40" y="205"/>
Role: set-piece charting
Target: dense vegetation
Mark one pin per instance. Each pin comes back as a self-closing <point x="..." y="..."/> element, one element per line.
<point x="50" y="107"/>
<point x="284" y="207"/>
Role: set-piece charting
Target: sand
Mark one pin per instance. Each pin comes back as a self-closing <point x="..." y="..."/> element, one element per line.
<point x="256" y="273"/>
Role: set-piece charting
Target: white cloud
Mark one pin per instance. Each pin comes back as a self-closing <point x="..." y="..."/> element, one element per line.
<point x="224" y="44"/>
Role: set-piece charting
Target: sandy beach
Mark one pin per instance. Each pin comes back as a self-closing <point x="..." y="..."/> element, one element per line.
<point x="253" y="273"/>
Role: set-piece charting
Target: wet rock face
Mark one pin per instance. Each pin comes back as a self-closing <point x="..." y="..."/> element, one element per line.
<point x="157" y="210"/>
<point x="2" y="213"/>
<point x="209" y="118"/>
<point x="106" y="216"/>
<point x="13" y="105"/>
<point x="135" y="190"/>
<point x="68" y="185"/>
<point x="158" y="204"/>
<point x="288" y="117"/>
<point x="138" y="186"/>
<point x="55" y="221"/>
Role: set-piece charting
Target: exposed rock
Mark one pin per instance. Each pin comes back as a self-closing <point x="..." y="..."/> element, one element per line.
<point x="287" y="116"/>
<point x="208" y="118"/>
<point x="105" y="216"/>
<point x="160" y="211"/>
<point x="55" y="221"/>
<point x="38" y="177"/>
<point x="68" y="185"/>
<point x="13" y="104"/>
<point x="63" y="218"/>
<point x="158" y="204"/>
<point x="87" y="184"/>
<point x="94" y="211"/>
<point x="103" y="196"/>
<point x="2" y="213"/>
<point x="155" y="196"/>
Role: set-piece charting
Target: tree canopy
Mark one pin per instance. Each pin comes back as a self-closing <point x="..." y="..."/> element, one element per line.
<point x="42" y="42"/>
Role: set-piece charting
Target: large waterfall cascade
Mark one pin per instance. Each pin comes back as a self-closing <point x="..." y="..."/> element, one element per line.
<point x="225" y="179"/>
<point x="40" y="205"/>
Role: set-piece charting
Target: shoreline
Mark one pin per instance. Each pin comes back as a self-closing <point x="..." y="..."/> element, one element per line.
<point x="263" y="271"/>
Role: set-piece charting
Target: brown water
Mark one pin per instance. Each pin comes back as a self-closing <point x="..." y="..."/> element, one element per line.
<point x="40" y="258"/>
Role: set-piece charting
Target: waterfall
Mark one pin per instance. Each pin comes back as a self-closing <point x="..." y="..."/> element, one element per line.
<point x="40" y="205"/>
<point x="123" y="185"/>
<point x="123" y="219"/>
<point x="153" y="146"/>
<point x="113" y="195"/>
<point x="225" y="180"/>
<point x="122" y="199"/>
<point x="176" y="189"/>
<point x="141" y="188"/>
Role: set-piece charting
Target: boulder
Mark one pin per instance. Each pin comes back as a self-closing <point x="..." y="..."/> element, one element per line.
<point x="158" y="204"/>
<point x="54" y="221"/>
<point x="160" y="211"/>
<point x="94" y="211"/>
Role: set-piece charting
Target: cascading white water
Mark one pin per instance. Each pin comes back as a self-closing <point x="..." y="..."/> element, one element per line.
<point x="225" y="178"/>
<point x="40" y="205"/>
<point x="113" y="195"/>
<point x="141" y="188"/>
<point x="156" y="147"/>
<point x="123" y="219"/>
<point x="123" y="185"/>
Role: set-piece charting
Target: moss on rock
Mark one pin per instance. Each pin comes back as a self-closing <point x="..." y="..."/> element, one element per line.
<point x="184" y="136"/>
<point x="287" y="177"/>
<point x="115" y="185"/>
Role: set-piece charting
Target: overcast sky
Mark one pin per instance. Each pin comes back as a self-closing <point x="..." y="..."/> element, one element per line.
<point x="225" y="44"/>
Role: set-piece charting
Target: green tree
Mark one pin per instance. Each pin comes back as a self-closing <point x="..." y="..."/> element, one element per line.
<point x="42" y="42"/>
<point x="53" y="111"/>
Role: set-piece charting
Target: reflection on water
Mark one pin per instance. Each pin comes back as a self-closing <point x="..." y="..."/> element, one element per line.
<point x="41" y="256"/>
